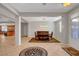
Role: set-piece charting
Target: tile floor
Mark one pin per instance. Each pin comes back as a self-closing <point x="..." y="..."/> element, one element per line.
<point x="8" y="47"/>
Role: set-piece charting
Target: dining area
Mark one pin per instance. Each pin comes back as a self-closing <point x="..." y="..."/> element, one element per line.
<point x="43" y="35"/>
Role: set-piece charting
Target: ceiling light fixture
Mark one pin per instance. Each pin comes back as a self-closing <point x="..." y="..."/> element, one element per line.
<point x="66" y="4"/>
<point x="44" y="4"/>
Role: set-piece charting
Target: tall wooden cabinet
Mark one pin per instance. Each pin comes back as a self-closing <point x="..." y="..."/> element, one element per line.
<point x="10" y="30"/>
<point x="1" y="30"/>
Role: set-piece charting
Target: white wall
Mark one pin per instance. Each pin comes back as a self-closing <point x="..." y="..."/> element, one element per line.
<point x="40" y="26"/>
<point x="57" y="31"/>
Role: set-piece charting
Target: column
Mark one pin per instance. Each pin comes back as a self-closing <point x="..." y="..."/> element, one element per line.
<point x="18" y="30"/>
<point x="65" y="28"/>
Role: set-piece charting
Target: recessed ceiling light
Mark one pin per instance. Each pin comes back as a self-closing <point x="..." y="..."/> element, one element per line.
<point x="44" y="3"/>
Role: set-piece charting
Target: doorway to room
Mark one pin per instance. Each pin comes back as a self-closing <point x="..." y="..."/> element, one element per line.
<point x="7" y="29"/>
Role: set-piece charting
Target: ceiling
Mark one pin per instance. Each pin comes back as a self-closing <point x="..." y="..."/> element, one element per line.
<point x="41" y="7"/>
<point x="37" y="9"/>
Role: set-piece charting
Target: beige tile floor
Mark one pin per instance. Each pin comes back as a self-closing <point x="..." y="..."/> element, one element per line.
<point x="8" y="47"/>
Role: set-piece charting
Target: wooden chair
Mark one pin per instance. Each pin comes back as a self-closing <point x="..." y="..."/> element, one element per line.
<point x="51" y="35"/>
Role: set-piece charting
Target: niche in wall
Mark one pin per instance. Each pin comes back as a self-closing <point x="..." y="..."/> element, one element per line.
<point x="43" y="28"/>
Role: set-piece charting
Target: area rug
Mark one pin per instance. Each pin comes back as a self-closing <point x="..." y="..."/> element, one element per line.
<point x="53" y="40"/>
<point x="71" y="51"/>
<point x="33" y="51"/>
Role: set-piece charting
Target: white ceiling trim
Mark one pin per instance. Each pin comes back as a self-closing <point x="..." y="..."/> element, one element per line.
<point x="10" y="8"/>
<point x="51" y="19"/>
<point x="39" y="14"/>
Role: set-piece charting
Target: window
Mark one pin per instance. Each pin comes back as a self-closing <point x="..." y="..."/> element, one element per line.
<point x="75" y="29"/>
<point x="4" y="28"/>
